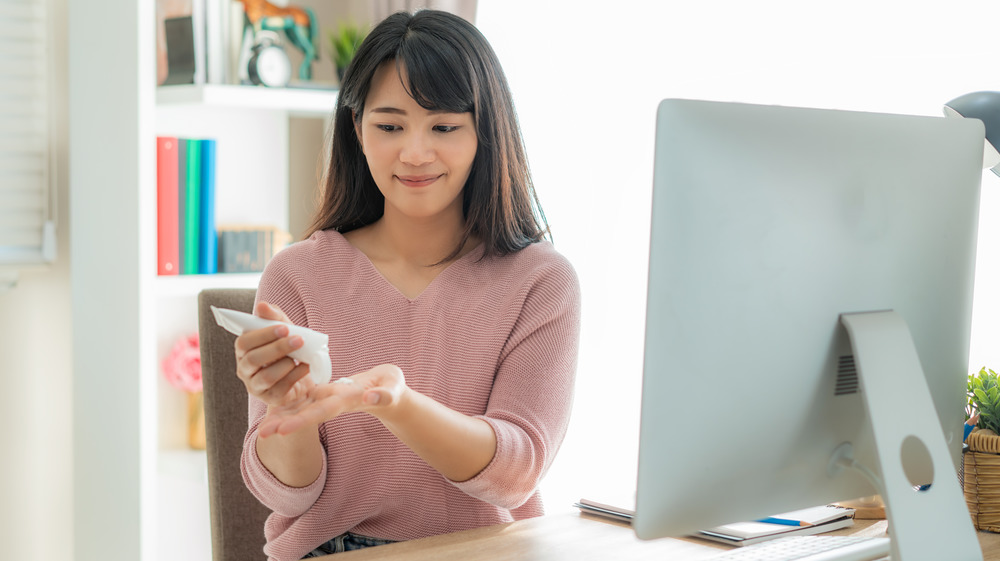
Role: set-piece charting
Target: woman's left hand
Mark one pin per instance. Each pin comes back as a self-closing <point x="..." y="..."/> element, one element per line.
<point x="371" y="391"/>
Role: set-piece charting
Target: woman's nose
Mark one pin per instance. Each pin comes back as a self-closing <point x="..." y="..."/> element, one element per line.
<point x="417" y="150"/>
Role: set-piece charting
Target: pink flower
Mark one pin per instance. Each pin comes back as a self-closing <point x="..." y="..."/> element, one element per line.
<point x="182" y="366"/>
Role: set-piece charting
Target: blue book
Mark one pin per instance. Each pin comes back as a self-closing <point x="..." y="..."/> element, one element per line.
<point x="208" y="242"/>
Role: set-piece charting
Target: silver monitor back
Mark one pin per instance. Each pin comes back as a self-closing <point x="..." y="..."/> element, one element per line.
<point x="768" y="223"/>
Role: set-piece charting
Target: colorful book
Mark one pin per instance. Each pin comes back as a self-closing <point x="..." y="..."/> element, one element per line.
<point x="207" y="236"/>
<point x="187" y="239"/>
<point x="216" y="40"/>
<point x="247" y="249"/>
<point x="192" y="211"/>
<point x="237" y="28"/>
<point x="166" y="206"/>
<point x="200" y="56"/>
<point x="181" y="203"/>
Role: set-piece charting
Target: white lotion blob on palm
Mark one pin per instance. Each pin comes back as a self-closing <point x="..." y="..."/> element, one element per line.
<point x="315" y="352"/>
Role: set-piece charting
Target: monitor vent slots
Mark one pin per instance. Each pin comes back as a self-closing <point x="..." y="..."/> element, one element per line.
<point x="847" y="376"/>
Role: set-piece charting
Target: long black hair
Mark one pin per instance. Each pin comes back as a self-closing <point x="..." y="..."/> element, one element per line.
<point x="450" y="67"/>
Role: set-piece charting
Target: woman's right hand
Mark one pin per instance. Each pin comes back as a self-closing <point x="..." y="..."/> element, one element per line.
<point x="263" y="364"/>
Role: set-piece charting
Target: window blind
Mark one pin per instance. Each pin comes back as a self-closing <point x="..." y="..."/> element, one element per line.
<point x="27" y="226"/>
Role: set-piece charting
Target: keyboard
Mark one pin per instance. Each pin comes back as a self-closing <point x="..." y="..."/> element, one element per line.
<point x="812" y="548"/>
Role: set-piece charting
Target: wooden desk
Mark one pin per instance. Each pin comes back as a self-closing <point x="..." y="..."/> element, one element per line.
<point x="576" y="537"/>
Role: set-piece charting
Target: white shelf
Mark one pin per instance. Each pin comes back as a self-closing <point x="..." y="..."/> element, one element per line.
<point x="296" y="101"/>
<point x="191" y="285"/>
<point x="183" y="506"/>
<point x="184" y="463"/>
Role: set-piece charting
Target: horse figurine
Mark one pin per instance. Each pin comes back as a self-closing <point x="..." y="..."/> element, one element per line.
<point x="299" y="25"/>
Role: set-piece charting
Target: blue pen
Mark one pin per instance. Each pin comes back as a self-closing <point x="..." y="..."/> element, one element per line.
<point x="784" y="521"/>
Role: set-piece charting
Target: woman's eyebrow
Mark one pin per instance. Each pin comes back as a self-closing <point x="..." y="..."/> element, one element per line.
<point x="391" y="110"/>
<point x="398" y="111"/>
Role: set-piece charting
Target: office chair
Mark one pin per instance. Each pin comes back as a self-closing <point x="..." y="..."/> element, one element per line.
<point x="237" y="516"/>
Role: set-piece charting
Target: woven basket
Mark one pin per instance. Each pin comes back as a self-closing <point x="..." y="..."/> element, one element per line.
<point x="982" y="479"/>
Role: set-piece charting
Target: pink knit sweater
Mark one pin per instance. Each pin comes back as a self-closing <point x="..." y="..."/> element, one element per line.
<point x="494" y="338"/>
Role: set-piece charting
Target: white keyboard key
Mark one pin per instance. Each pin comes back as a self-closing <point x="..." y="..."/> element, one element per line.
<point x="812" y="548"/>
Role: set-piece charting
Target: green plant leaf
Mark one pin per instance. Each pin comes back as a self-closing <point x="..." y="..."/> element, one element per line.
<point x="983" y="392"/>
<point x="344" y="42"/>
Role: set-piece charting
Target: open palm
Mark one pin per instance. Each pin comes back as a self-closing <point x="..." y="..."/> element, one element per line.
<point x="371" y="391"/>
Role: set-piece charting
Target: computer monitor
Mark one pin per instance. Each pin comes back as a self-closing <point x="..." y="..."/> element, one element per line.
<point x="775" y="231"/>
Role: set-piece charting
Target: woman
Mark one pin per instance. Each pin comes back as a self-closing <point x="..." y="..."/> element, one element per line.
<point x="453" y="324"/>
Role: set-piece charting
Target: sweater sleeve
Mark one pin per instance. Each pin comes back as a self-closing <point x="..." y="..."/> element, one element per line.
<point x="529" y="406"/>
<point x="277" y="287"/>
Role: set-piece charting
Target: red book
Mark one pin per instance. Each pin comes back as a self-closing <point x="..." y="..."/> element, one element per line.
<point x="166" y="206"/>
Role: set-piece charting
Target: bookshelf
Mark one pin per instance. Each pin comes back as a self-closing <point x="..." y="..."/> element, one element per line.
<point x="263" y="135"/>
<point x="296" y="101"/>
<point x="139" y="493"/>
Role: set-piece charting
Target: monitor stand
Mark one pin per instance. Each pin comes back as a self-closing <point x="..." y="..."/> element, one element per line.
<point x="926" y="525"/>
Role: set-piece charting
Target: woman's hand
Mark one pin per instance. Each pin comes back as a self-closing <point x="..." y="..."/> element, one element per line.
<point x="375" y="391"/>
<point x="263" y="364"/>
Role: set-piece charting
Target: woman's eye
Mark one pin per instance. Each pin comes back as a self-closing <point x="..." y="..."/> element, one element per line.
<point x="387" y="128"/>
<point x="446" y="128"/>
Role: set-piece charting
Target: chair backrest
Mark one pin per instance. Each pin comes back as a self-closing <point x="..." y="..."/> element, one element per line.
<point x="237" y="516"/>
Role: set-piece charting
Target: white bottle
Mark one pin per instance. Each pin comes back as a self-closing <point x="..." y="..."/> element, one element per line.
<point x="315" y="351"/>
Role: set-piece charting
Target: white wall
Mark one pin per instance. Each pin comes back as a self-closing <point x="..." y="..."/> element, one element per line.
<point x="36" y="398"/>
<point x="587" y="76"/>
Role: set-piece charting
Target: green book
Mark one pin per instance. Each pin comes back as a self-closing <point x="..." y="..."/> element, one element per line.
<point x="192" y="203"/>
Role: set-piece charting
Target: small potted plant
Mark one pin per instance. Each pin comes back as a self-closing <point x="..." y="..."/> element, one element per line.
<point x="344" y="42"/>
<point x="982" y="460"/>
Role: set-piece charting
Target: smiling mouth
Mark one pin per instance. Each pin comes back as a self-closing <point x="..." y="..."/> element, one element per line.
<point x="417" y="180"/>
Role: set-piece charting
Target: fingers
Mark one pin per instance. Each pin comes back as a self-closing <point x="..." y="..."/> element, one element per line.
<point x="308" y="414"/>
<point x="371" y="391"/>
<point x="322" y="403"/>
<point x="263" y="347"/>
<point x="274" y="387"/>
<point x="385" y="384"/>
<point x="272" y="382"/>
<point x="262" y="361"/>
<point x="252" y="339"/>
<point x="258" y="337"/>
<point x="270" y="311"/>
<point x="378" y="399"/>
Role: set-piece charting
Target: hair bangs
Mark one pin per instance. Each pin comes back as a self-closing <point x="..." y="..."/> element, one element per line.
<point x="438" y="79"/>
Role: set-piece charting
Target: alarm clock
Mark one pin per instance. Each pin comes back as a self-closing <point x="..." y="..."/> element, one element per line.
<point x="269" y="64"/>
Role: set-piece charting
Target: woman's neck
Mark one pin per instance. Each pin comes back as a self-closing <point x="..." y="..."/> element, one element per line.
<point x="418" y="243"/>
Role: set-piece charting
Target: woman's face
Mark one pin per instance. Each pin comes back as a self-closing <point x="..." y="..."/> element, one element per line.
<point x="420" y="159"/>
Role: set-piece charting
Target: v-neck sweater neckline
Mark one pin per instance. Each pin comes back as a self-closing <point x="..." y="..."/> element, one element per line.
<point x="387" y="287"/>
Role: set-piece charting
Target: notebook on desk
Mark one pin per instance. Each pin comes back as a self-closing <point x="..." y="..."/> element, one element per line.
<point x="809" y="521"/>
<point x="603" y="510"/>
<point x="815" y="520"/>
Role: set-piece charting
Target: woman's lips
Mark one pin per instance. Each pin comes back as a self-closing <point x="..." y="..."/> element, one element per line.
<point x="417" y="180"/>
